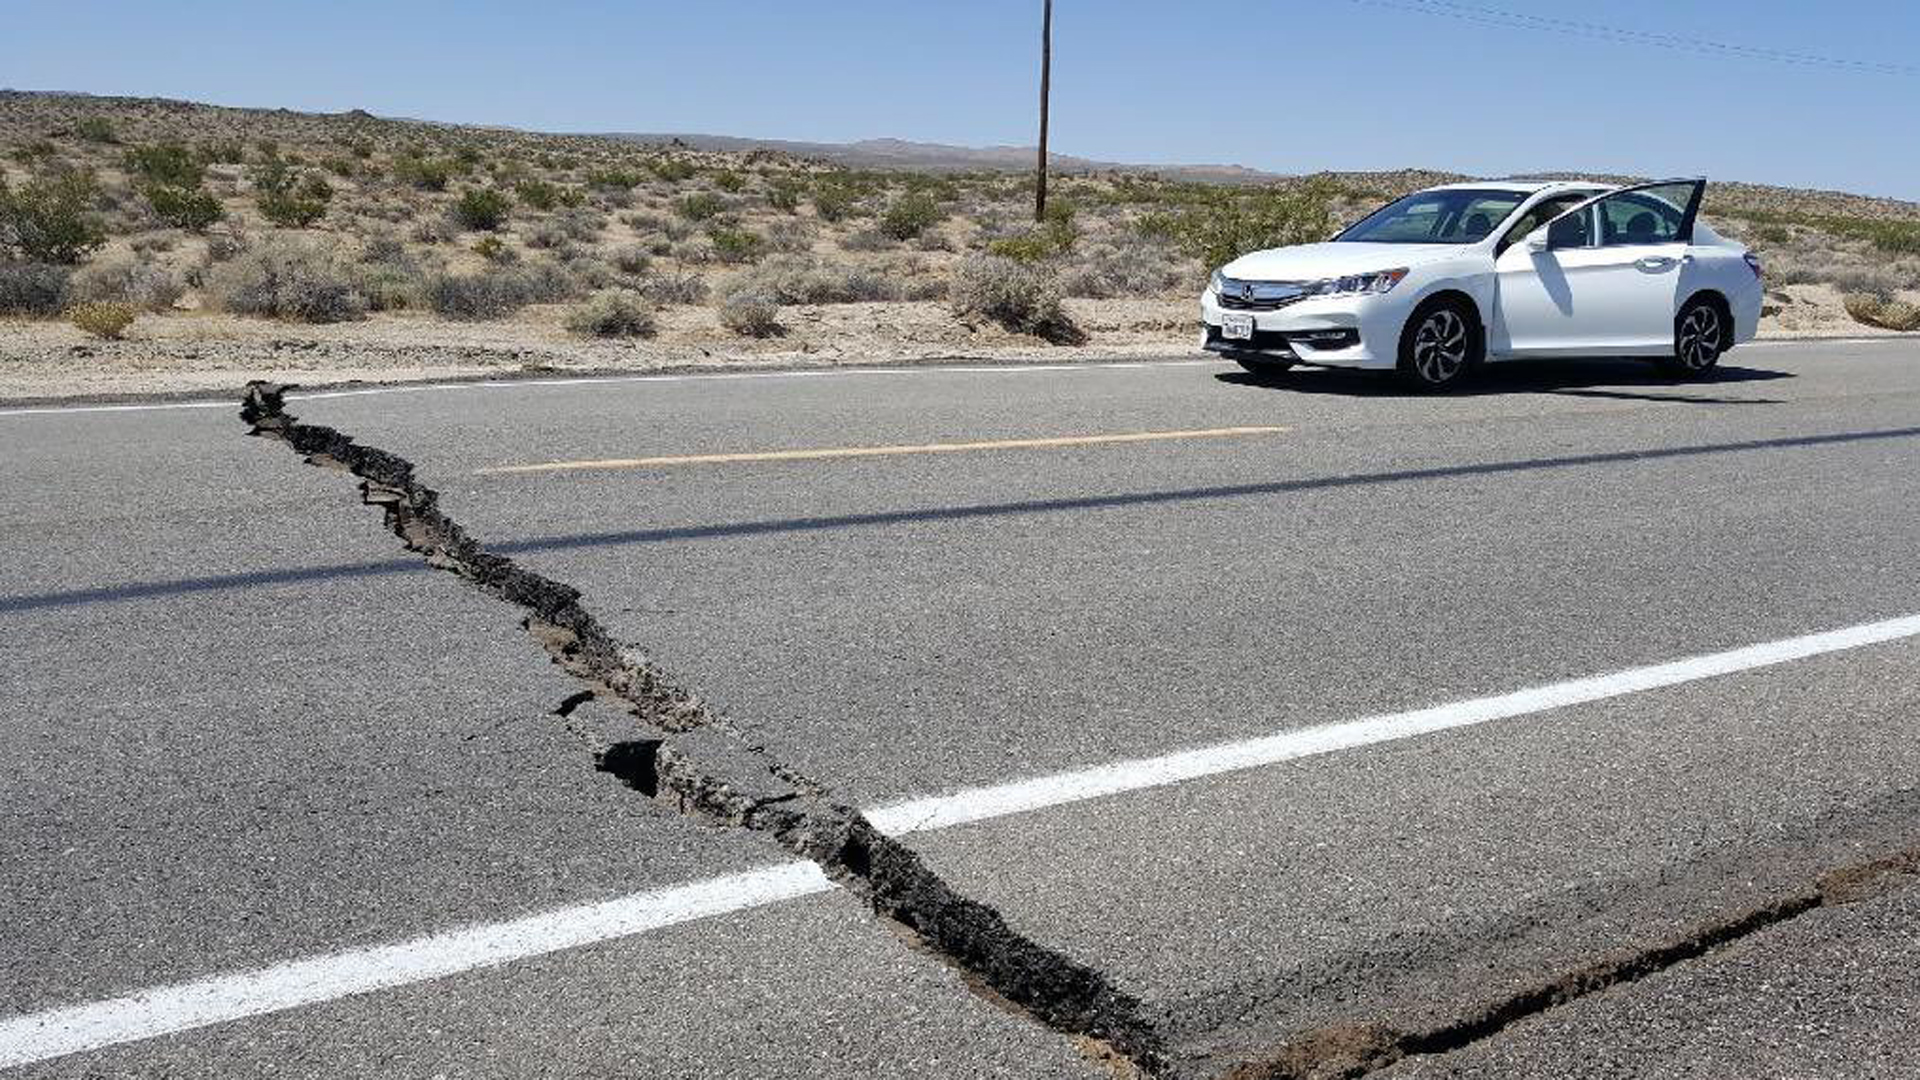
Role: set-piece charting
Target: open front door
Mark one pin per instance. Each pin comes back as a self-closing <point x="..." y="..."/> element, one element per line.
<point x="1609" y="278"/>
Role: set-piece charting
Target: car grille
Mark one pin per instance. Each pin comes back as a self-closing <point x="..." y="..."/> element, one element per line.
<point x="1239" y="295"/>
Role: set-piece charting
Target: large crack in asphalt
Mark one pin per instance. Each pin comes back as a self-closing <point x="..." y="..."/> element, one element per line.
<point x="1359" y="1048"/>
<point x="708" y="767"/>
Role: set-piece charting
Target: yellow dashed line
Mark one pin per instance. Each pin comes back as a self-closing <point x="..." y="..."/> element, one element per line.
<point x="827" y="453"/>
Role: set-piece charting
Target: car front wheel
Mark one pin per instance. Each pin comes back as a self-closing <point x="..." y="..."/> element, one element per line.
<point x="1438" y="346"/>
<point x="1699" y="337"/>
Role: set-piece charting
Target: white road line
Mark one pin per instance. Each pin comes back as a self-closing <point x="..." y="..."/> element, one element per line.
<point x="329" y="976"/>
<point x="1878" y="340"/>
<point x="591" y="380"/>
<point x="326" y="977"/>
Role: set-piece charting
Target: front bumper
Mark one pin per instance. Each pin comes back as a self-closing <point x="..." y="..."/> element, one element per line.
<point x="1333" y="331"/>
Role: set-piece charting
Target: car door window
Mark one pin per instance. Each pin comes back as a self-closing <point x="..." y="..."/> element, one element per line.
<point x="1575" y="230"/>
<point x="1648" y="215"/>
<point x="1540" y="213"/>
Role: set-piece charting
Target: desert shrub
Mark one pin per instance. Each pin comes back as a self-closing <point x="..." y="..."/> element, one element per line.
<point x="1028" y="248"/>
<point x="644" y="221"/>
<point x="1883" y="312"/>
<point x="693" y="252"/>
<point x="384" y="247"/>
<point x="735" y="245"/>
<point x="910" y="215"/>
<point x="184" y="208"/>
<point x="344" y="167"/>
<point x="698" y="206"/>
<point x="790" y="235"/>
<point x="670" y="169"/>
<point x="221" y="152"/>
<point x="614" y="179"/>
<point x="632" y="260"/>
<point x="36" y="153"/>
<point x="675" y="287"/>
<point x="868" y="240"/>
<point x="497" y="292"/>
<point x="137" y="284"/>
<point x="784" y="194"/>
<point x="1019" y="296"/>
<point x="96" y="129"/>
<point x="494" y="250"/>
<point x="32" y="289"/>
<point x="489" y="294"/>
<point x="750" y="314"/>
<point x="545" y="281"/>
<point x="538" y="194"/>
<point x="547" y="234"/>
<point x="582" y="224"/>
<point x="165" y="164"/>
<point x="1129" y="268"/>
<point x="483" y="209"/>
<point x="590" y="271"/>
<point x="103" y="320"/>
<point x="728" y="180"/>
<point x="791" y="279"/>
<point x="434" y="230"/>
<point x="50" y="220"/>
<point x="834" y="201"/>
<point x="388" y="286"/>
<point x="427" y="174"/>
<point x="288" y="197"/>
<point x="285" y="278"/>
<point x="224" y="245"/>
<point x="612" y="314"/>
<point x="1221" y="226"/>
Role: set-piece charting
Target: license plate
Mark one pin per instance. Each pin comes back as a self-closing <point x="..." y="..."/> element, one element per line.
<point x="1236" y="327"/>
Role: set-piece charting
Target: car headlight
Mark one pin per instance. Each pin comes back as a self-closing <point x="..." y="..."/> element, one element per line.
<point x="1378" y="281"/>
<point x="1213" y="282"/>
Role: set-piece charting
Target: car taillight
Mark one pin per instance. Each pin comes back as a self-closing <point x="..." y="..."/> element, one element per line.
<point x="1753" y="263"/>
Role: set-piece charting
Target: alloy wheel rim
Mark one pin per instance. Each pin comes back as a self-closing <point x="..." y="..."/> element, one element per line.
<point x="1440" y="346"/>
<point x="1700" y="337"/>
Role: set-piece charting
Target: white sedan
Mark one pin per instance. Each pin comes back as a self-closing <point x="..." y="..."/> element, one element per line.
<point x="1435" y="283"/>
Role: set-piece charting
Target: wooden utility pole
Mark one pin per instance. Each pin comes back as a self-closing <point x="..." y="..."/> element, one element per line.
<point x="1046" y="75"/>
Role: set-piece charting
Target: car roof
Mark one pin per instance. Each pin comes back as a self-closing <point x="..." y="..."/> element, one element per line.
<point x="1528" y="186"/>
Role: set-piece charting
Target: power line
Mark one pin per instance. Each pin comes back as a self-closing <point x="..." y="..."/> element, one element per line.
<point x="1514" y="20"/>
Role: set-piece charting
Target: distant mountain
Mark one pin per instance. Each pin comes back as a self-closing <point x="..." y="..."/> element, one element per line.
<point x="940" y="157"/>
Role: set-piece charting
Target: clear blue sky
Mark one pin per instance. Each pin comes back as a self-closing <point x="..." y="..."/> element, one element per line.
<point x="1286" y="85"/>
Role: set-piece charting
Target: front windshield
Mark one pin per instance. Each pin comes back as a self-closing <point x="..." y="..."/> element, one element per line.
<point x="1452" y="216"/>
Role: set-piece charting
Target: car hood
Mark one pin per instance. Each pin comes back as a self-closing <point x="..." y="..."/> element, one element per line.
<point x="1309" y="262"/>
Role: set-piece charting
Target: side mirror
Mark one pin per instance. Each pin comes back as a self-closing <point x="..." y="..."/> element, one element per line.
<point x="1537" y="240"/>
<point x="1567" y="232"/>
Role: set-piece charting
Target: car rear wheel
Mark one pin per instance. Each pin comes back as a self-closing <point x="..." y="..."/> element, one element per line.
<point x="1440" y="343"/>
<point x="1263" y="367"/>
<point x="1699" y="337"/>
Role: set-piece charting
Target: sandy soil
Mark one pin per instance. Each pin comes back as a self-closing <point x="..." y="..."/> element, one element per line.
<point x="202" y="352"/>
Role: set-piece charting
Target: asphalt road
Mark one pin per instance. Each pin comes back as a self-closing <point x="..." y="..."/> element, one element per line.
<point x="245" y="729"/>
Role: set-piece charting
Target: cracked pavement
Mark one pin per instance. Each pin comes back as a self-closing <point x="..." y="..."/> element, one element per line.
<point x="248" y="732"/>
